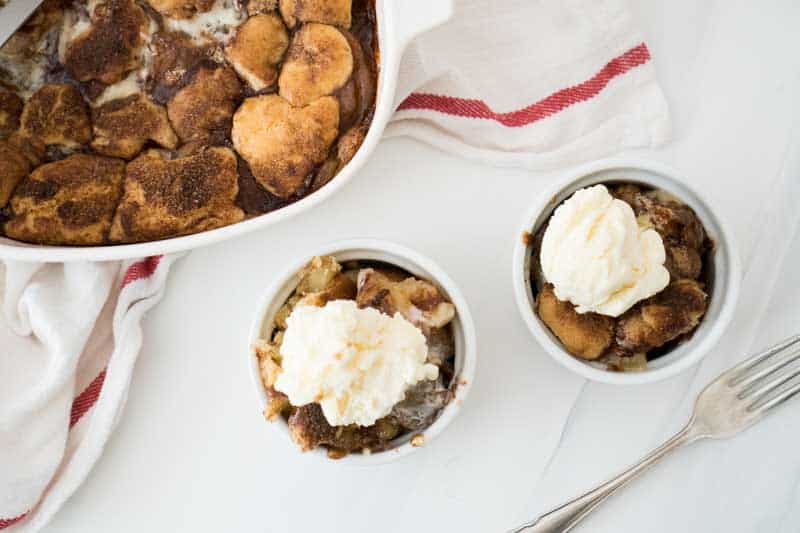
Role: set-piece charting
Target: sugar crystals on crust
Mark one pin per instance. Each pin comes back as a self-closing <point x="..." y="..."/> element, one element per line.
<point x="110" y="48"/>
<point x="319" y="61"/>
<point x="202" y="110"/>
<point x="57" y="114"/>
<point x="170" y="197"/>
<point x="68" y="202"/>
<point x="123" y="126"/>
<point x="257" y="49"/>
<point x="336" y="12"/>
<point x="282" y="143"/>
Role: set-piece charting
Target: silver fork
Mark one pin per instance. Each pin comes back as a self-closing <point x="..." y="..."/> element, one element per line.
<point x="734" y="401"/>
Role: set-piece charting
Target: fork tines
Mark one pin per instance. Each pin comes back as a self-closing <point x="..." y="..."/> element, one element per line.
<point x="769" y="378"/>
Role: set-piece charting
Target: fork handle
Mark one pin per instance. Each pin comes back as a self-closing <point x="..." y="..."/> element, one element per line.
<point x="565" y="517"/>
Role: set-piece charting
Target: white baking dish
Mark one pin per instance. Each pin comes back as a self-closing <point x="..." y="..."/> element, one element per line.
<point x="398" y="23"/>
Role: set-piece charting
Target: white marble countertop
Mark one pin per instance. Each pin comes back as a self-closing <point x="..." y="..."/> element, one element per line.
<point x="192" y="452"/>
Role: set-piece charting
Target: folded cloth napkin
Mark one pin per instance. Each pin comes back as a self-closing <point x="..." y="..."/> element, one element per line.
<point x="70" y="334"/>
<point x="535" y="84"/>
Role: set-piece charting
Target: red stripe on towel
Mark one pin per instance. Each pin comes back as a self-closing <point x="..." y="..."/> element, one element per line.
<point x="8" y="522"/>
<point x="558" y="101"/>
<point x="88" y="397"/>
<point x="141" y="269"/>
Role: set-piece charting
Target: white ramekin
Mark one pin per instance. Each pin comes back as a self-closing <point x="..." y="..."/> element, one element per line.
<point x="398" y="24"/>
<point x="725" y="269"/>
<point x="411" y="261"/>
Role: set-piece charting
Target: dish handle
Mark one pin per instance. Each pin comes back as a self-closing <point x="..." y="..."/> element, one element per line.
<point x="411" y="18"/>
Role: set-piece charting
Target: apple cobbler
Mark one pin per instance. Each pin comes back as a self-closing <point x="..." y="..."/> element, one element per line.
<point x="126" y="121"/>
<point x="359" y="355"/>
<point x="620" y="274"/>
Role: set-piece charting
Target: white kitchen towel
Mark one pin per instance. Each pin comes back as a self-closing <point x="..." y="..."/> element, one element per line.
<point x="539" y="84"/>
<point x="69" y="336"/>
<point x="514" y="82"/>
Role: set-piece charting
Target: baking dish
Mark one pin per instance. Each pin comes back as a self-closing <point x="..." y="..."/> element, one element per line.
<point x="397" y="24"/>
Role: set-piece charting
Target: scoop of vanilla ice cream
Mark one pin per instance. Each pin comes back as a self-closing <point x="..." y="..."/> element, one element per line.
<point x="356" y="363"/>
<point x="597" y="257"/>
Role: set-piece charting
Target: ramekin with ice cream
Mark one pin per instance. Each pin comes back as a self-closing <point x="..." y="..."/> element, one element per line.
<point x="363" y="351"/>
<point x="624" y="274"/>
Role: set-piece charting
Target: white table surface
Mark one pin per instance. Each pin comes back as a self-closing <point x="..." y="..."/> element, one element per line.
<point x="193" y="454"/>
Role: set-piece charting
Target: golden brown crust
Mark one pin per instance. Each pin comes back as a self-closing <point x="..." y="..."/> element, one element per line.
<point x="281" y="143"/>
<point x="666" y="316"/>
<point x="57" y="114"/>
<point x="319" y="62"/>
<point x="111" y="47"/>
<point x="585" y="335"/>
<point x="11" y="107"/>
<point x="181" y="9"/>
<point x="166" y="198"/>
<point x="202" y="110"/>
<point x="14" y="166"/>
<point x="257" y="49"/>
<point x="68" y="202"/>
<point x="123" y="126"/>
<point x="335" y="12"/>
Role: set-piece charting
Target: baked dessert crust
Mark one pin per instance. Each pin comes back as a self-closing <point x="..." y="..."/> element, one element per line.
<point x="334" y="12"/>
<point x="281" y="143"/>
<point x="67" y="202"/>
<point x="170" y="197"/>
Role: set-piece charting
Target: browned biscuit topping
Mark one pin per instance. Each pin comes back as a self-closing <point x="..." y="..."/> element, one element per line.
<point x="123" y="126"/>
<point x="68" y="202"/>
<point x="257" y="49"/>
<point x="57" y="114"/>
<point x="18" y="156"/>
<point x="169" y="197"/>
<point x="319" y="61"/>
<point x="110" y="48"/>
<point x="11" y="107"/>
<point x="335" y="12"/>
<point x="203" y="109"/>
<point x="585" y="335"/>
<point x="669" y="314"/>
<point x="283" y="143"/>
